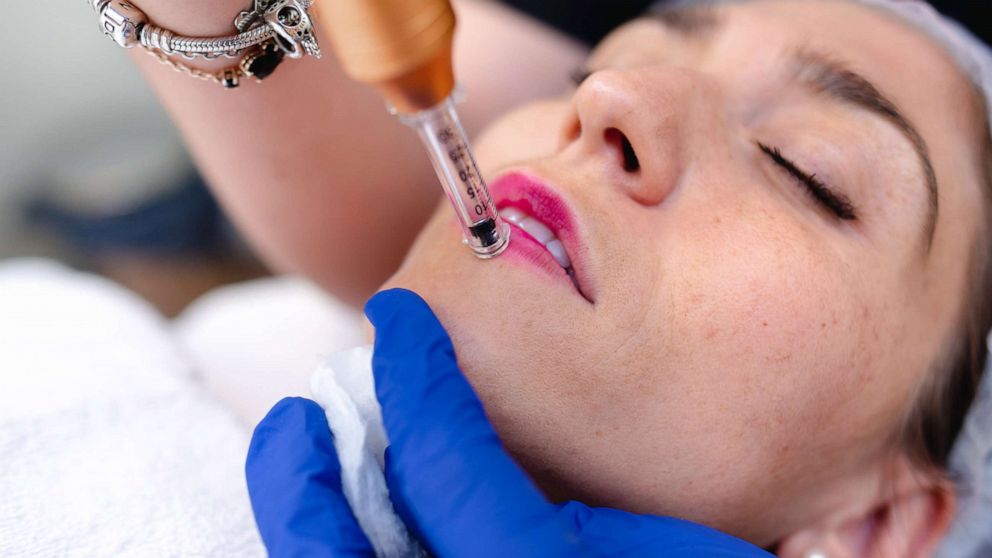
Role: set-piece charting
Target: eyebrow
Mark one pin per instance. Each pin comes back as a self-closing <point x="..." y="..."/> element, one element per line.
<point x="827" y="77"/>
<point x="833" y="79"/>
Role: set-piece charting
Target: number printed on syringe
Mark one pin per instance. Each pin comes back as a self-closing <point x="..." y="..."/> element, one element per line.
<point x="458" y="154"/>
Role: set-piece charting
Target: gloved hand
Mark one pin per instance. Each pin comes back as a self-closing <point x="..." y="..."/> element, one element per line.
<point x="449" y="477"/>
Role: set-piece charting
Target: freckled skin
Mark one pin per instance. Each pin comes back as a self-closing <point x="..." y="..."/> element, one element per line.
<point x="747" y="356"/>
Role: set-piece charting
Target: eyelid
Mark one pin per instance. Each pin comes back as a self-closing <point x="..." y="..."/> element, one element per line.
<point x="839" y="204"/>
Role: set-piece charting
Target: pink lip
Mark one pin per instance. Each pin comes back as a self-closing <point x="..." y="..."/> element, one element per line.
<point x="541" y="202"/>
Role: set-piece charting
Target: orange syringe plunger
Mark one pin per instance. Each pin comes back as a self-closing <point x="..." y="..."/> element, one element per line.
<point x="403" y="49"/>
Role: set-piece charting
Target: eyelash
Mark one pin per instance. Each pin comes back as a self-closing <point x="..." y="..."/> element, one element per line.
<point x="838" y="204"/>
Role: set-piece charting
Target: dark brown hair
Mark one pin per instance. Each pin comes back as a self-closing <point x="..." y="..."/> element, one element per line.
<point x="940" y="410"/>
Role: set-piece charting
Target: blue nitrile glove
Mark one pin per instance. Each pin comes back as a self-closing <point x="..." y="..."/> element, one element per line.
<point x="449" y="477"/>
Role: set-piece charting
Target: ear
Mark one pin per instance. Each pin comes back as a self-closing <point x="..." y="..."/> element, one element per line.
<point x="907" y="519"/>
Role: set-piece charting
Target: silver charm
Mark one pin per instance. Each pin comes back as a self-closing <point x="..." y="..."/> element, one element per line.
<point x="248" y="18"/>
<point x="122" y="21"/>
<point x="293" y="28"/>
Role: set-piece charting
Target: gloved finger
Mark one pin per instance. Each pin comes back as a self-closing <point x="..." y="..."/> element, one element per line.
<point x="448" y="473"/>
<point x="618" y="534"/>
<point x="294" y="482"/>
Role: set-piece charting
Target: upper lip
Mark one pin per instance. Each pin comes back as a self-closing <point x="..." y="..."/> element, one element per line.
<point x="538" y="200"/>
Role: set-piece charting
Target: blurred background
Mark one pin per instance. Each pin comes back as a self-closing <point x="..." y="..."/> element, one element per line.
<point x="93" y="174"/>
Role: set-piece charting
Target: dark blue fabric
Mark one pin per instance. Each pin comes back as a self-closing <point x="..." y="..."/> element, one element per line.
<point x="180" y="220"/>
<point x="449" y="477"/>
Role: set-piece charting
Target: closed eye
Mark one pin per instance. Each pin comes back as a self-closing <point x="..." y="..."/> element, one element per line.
<point x="838" y="204"/>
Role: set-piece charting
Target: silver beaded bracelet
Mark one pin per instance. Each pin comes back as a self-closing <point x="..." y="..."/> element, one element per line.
<point x="267" y="33"/>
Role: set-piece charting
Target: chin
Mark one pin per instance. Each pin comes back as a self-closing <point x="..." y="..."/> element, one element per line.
<point x="518" y="380"/>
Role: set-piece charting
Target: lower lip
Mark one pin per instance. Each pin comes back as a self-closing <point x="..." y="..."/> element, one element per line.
<point x="525" y="249"/>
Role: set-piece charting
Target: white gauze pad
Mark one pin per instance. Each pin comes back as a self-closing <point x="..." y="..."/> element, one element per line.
<point x="344" y="386"/>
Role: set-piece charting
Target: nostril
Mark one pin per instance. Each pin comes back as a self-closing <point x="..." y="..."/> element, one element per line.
<point x="615" y="137"/>
<point x="630" y="162"/>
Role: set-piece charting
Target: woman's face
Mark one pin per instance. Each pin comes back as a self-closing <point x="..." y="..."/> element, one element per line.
<point x="759" y="294"/>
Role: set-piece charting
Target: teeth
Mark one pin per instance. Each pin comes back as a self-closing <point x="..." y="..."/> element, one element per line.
<point x="537" y="229"/>
<point x="558" y="251"/>
<point x="512" y="215"/>
<point x="540" y="232"/>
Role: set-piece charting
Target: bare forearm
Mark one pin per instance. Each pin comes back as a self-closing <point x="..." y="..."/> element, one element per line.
<point x="308" y="164"/>
<point x="194" y="17"/>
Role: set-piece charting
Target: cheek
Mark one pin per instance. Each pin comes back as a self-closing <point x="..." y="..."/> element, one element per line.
<point x="757" y="345"/>
<point x="754" y="300"/>
<point x="753" y="325"/>
<point x="782" y="339"/>
<point x="761" y="296"/>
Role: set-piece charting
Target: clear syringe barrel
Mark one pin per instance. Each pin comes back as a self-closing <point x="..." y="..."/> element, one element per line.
<point x="442" y="133"/>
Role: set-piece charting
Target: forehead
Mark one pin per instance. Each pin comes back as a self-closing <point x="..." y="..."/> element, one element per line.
<point x="902" y="61"/>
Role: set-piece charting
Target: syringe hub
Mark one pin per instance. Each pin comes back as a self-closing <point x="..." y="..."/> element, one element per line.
<point x="400" y="47"/>
<point x="493" y="237"/>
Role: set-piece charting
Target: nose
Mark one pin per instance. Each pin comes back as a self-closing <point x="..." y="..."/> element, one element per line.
<point x="634" y="123"/>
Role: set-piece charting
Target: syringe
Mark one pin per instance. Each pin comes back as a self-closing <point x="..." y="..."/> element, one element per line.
<point x="484" y="232"/>
<point x="403" y="49"/>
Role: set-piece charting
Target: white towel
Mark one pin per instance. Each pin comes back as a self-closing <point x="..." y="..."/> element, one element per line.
<point x="107" y="446"/>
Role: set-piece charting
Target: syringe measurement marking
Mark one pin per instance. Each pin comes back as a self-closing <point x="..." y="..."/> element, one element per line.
<point x="458" y="156"/>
